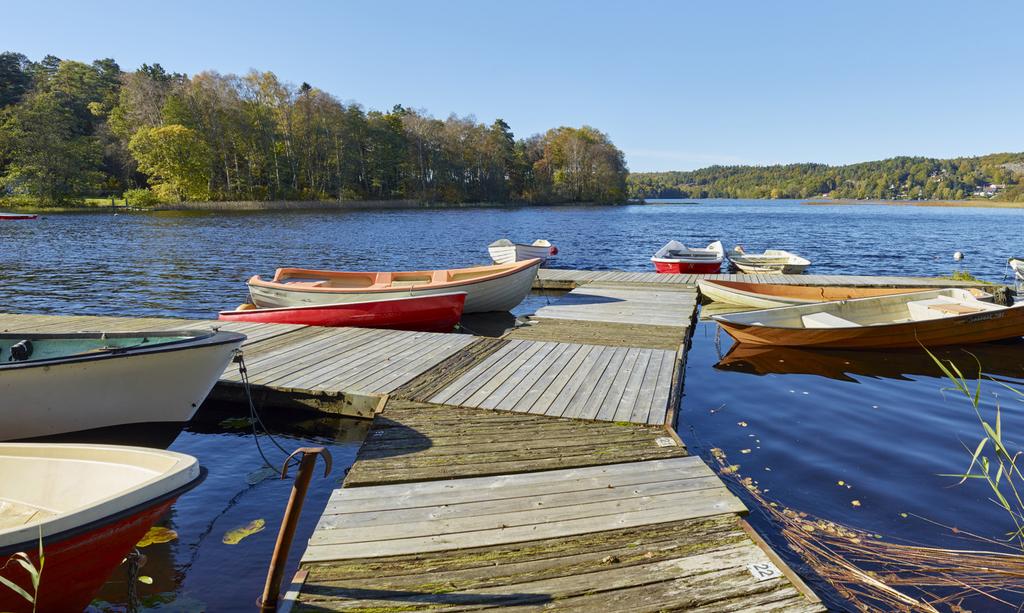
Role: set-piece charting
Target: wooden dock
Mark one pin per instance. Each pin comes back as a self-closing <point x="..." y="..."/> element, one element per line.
<point x="540" y="470"/>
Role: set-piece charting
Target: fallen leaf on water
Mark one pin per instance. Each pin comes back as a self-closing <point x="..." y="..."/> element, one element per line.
<point x="741" y="424"/>
<point x="903" y="514"/>
<point x="855" y="503"/>
<point x="236" y="422"/>
<point x="146" y="579"/>
<point x="156" y="535"/>
<point x="233" y="537"/>
<point x="841" y="482"/>
<point x="260" y="475"/>
<point x="744" y="451"/>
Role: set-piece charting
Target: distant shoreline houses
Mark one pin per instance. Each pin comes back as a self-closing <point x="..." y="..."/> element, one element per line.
<point x="987" y="191"/>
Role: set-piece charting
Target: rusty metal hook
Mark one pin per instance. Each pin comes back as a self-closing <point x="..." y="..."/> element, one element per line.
<point x="320" y="451"/>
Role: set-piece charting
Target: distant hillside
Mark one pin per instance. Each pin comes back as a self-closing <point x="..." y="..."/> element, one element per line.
<point x="999" y="176"/>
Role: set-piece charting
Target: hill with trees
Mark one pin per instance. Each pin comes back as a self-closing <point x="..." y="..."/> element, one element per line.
<point x="998" y="176"/>
<point x="70" y="129"/>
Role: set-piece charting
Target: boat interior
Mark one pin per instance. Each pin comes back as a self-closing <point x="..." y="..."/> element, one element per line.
<point x="923" y="306"/>
<point x="813" y="293"/>
<point x="77" y="477"/>
<point x="382" y="280"/>
<point x="22" y="347"/>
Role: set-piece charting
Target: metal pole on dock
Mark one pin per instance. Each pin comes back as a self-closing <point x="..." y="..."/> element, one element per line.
<point x="268" y="602"/>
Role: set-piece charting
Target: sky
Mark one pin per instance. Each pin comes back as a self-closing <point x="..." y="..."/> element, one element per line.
<point x="676" y="85"/>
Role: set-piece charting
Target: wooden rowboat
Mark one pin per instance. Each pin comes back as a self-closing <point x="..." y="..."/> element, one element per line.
<point x="430" y="313"/>
<point x="675" y="257"/>
<point x="772" y="261"/>
<point x="934" y="318"/>
<point x="90" y="503"/>
<point x="76" y="382"/>
<point x="488" y="288"/>
<point x="768" y="295"/>
<point x="504" y="251"/>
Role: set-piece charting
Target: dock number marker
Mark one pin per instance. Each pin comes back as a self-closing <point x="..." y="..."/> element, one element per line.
<point x="764" y="571"/>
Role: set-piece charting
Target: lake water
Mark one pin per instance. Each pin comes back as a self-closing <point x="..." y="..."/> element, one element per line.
<point x="877" y="422"/>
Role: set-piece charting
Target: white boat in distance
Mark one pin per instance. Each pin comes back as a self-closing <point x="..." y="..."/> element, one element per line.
<point x="488" y="288"/>
<point x="1017" y="264"/>
<point x="771" y="261"/>
<point x="72" y="382"/>
<point x="504" y="251"/>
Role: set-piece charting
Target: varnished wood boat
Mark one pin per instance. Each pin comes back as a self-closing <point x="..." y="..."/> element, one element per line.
<point x="771" y="261"/>
<point x="90" y="503"/>
<point x="430" y="313"/>
<point x="488" y="288"/>
<point x="60" y="383"/>
<point x="768" y="295"/>
<point x="934" y="318"/>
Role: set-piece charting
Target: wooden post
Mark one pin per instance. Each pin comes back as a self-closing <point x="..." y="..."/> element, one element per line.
<point x="272" y="588"/>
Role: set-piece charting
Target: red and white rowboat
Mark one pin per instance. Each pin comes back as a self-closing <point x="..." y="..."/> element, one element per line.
<point x="91" y="503"/>
<point x="676" y="257"/>
<point x="13" y="216"/>
<point x="429" y="313"/>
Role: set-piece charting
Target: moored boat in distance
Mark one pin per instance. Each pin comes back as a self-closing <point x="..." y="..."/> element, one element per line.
<point x="771" y="261"/>
<point x="500" y="287"/>
<point x="504" y="251"/>
<point x="89" y="504"/>
<point x="16" y="216"/>
<point x="428" y="313"/>
<point x="932" y="319"/>
<point x="59" y="383"/>
<point x="769" y="295"/>
<point x="675" y="257"/>
<point x="1017" y="266"/>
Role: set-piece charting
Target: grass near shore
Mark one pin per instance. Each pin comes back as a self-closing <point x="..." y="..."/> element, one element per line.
<point x="992" y="204"/>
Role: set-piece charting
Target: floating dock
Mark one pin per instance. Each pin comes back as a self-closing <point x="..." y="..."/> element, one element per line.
<point x="540" y="470"/>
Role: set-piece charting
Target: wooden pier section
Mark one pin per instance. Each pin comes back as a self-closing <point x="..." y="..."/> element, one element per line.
<point x="536" y="471"/>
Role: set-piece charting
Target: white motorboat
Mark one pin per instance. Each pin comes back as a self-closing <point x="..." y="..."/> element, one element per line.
<point x="61" y="383"/>
<point x="675" y="257"/>
<point x="771" y="261"/>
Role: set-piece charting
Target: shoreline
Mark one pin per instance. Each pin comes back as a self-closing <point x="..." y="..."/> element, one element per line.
<point x="990" y="204"/>
<point x="293" y="205"/>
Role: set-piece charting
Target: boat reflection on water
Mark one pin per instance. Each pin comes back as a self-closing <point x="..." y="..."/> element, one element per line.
<point x="1001" y="360"/>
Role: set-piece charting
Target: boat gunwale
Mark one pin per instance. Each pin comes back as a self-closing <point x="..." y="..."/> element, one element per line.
<point x="198" y="338"/>
<point x="514" y="268"/>
<point x="730" y="287"/>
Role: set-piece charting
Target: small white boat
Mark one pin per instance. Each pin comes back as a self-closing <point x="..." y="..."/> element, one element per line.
<point x="1017" y="265"/>
<point x="504" y="251"/>
<point x="90" y="505"/>
<point x="771" y="261"/>
<point x="675" y="257"/>
<point x="60" y="383"/>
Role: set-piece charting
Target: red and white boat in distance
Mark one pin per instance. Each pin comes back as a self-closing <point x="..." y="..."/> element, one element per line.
<point x="676" y="257"/>
<point x="427" y="313"/>
<point x="14" y="216"/>
<point x="90" y="503"/>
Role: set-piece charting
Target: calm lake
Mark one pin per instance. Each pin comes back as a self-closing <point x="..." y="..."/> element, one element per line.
<point x="877" y="422"/>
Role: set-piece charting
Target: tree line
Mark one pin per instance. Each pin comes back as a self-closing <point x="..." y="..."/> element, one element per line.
<point x="69" y="129"/>
<point x="901" y="178"/>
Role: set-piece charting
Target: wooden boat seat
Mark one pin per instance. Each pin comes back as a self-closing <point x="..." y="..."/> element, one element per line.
<point x="937" y="308"/>
<point x="958" y="309"/>
<point x="826" y="320"/>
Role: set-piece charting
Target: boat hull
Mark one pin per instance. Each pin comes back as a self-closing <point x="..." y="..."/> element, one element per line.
<point x="76" y="567"/>
<point x="430" y="313"/>
<point x="495" y="293"/>
<point x="159" y="386"/>
<point x="758" y="268"/>
<point x="687" y="267"/>
<point x="769" y="295"/>
<point x="16" y="216"/>
<point x="962" y="330"/>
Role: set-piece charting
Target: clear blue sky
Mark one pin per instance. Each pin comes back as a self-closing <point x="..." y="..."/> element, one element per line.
<point x="677" y="85"/>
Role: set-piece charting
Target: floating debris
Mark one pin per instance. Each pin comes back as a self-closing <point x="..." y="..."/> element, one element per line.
<point x="157" y="535"/>
<point x="234" y="537"/>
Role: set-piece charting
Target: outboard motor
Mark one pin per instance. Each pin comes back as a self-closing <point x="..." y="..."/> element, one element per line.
<point x="21" y="351"/>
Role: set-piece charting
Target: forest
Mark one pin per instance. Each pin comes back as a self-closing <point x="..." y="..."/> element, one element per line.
<point x="70" y="129"/>
<point x="998" y="176"/>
